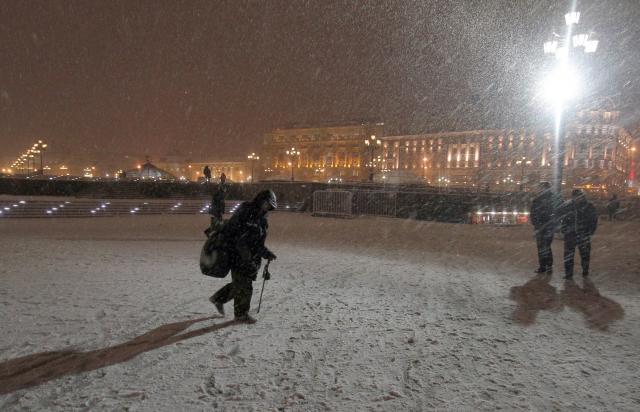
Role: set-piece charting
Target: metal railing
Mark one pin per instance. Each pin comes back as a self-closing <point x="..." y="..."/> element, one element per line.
<point x="376" y="203"/>
<point x="335" y="203"/>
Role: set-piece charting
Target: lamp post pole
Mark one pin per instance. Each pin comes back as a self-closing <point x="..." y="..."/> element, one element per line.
<point x="561" y="86"/>
<point x="253" y="157"/>
<point x="424" y="170"/>
<point x="292" y="153"/>
<point x="522" y="164"/>
<point x="372" y="142"/>
<point x="43" y="147"/>
<point x="33" y="162"/>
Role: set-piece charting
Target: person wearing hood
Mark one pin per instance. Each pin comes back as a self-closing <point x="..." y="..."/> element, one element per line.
<point x="579" y="223"/>
<point x="245" y="234"/>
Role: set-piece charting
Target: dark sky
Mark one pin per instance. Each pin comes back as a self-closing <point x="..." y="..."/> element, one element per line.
<point x="208" y="78"/>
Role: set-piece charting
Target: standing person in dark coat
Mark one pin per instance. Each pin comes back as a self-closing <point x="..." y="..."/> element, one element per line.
<point x="613" y="206"/>
<point x="207" y="173"/>
<point x="543" y="219"/>
<point x="245" y="234"/>
<point x="579" y="223"/>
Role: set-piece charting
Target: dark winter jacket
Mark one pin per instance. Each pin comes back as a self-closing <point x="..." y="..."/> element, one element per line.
<point x="217" y="201"/>
<point x="613" y="206"/>
<point x="579" y="218"/>
<point x="245" y="234"/>
<point x="543" y="209"/>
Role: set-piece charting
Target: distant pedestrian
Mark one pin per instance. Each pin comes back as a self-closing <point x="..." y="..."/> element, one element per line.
<point x="216" y="209"/>
<point x="579" y="223"/>
<point x="612" y="207"/>
<point x="543" y="219"/>
<point x="207" y="173"/>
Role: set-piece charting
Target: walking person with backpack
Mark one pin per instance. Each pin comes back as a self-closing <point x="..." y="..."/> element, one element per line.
<point x="579" y="223"/>
<point x="244" y="236"/>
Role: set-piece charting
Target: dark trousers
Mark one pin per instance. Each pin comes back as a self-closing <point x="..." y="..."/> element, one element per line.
<point x="544" y="237"/>
<point x="240" y="290"/>
<point x="583" y="242"/>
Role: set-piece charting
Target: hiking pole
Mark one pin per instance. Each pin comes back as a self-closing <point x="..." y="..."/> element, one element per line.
<point x="265" y="276"/>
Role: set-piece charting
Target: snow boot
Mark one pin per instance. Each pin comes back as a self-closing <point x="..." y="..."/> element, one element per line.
<point x="245" y="319"/>
<point x="219" y="306"/>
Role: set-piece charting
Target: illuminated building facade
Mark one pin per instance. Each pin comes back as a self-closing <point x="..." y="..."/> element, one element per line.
<point x="596" y="156"/>
<point x="321" y="153"/>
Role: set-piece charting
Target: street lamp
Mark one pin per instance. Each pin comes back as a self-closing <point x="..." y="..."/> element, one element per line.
<point x="253" y="157"/>
<point x="522" y="162"/>
<point x="23" y="159"/>
<point x="33" y="164"/>
<point x="562" y="85"/>
<point x="372" y="143"/>
<point x="43" y="147"/>
<point x="292" y="153"/>
<point x="424" y="170"/>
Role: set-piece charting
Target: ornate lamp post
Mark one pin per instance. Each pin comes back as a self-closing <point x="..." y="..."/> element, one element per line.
<point x="43" y="147"/>
<point x="522" y="164"/>
<point x="424" y="170"/>
<point x="562" y="84"/>
<point x="371" y="143"/>
<point x="253" y="157"/>
<point x="293" y="154"/>
<point x="33" y="161"/>
<point x="24" y="158"/>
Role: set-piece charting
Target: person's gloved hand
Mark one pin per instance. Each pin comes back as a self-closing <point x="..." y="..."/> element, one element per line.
<point x="266" y="275"/>
<point x="269" y="255"/>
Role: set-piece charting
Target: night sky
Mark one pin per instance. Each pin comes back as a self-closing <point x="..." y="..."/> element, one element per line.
<point x="206" y="79"/>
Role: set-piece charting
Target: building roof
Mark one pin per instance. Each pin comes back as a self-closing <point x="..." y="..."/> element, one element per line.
<point x="149" y="170"/>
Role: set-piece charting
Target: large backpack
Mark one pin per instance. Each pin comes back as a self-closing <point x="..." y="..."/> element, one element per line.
<point x="214" y="258"/>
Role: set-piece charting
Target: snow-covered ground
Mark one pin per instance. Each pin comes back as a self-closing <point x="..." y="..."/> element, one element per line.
<point x="362" y="314"/>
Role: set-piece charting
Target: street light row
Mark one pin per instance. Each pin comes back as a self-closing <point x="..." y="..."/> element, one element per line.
<point x="26" y="161"/>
